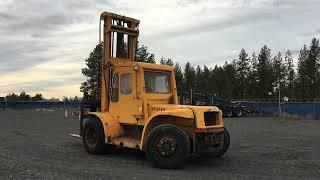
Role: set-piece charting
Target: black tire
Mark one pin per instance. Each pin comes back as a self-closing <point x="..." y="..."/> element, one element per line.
<point x="93" y="137"/>
<point x="228" y="113"/>
<point x="226" y="145"/>
<point x="167" y="146"/>
<point x="238" y="112"/>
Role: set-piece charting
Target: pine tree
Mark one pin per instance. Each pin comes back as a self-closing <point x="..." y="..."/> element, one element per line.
<point x="93" y="71"/>
<point x="278" y="71"/>
<point x="179" y="77"/>
<point x="301" y="85"/>
<point x="167" y="62"/>
<point x="189" y="74"/>
<point x="207" y="80"/>
<point x="24" y="97"/>
<point x="163" y="61"/>
<point x="252" y="80"/>
<point x="312" y="64"/>
<point x="12" y="97"/>
<point x="150" y="59"/>
<point x="242" y="72"/>
<point x="228" y="87"/>
<point x="37" y="97"/>
<point x="289" y="75"/>
<point x="264" y="73"/>
<point x="309" y="70"/>
<point x="214" y="80"/>
<point x="142" y="54"/>
<point x="199" y="80"/>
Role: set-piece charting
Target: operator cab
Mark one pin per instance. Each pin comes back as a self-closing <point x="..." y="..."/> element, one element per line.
<point x="136" y="85"/>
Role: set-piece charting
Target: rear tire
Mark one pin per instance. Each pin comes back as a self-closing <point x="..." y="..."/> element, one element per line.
<point x="93" y="137"/>
<point x="167" y="146"/>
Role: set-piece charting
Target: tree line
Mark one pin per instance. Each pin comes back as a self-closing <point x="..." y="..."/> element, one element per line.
<point x="256" y="77"/>
<point x="259" y="76"/>
<point x="23" y="96"/>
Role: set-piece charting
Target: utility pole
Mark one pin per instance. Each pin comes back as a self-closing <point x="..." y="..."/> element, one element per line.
<point x="314" y="109"/>
<point x="279" y="100"/>
<point x="314" y="99"/>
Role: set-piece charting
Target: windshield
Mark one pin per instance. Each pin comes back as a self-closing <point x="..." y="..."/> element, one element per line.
<point x="157" y="82"/>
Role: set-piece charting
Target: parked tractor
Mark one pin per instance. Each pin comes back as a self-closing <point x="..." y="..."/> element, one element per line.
<point x="138" y="107"/>
<point x="228" y="108"/>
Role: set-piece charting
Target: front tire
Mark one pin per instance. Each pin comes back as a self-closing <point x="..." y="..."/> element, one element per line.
<point x="167" y="146"/>
<point x="93" y="137"/>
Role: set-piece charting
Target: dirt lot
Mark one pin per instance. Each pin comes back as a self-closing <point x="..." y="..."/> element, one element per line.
<point x="37" y="145"/>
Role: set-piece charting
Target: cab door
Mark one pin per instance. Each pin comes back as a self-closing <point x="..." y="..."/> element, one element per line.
<point x="124" y="105"/>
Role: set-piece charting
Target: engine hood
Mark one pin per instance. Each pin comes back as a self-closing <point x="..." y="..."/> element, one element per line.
<point x="154" y="108"/>
<point x="196" y="113"/>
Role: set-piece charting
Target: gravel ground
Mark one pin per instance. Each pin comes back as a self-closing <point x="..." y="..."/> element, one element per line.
<point x="36" y="145"/>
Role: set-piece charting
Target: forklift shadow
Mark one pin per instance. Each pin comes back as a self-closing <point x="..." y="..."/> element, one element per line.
<point x="196" y="162"/>
<point x="135" y="156"/>
<point x="193" y="162"/>
<point x="121" y="151"/>
<point x="125" y="156"/>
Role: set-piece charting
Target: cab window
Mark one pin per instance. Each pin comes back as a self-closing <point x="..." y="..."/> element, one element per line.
<point x="125" y="84"/>
<point x="115" y="88"/>
<point x="157" y="82"/>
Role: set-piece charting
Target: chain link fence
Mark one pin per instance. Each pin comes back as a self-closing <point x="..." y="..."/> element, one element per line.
<point x="287" y="110"/>
<point x="38" y="105"/>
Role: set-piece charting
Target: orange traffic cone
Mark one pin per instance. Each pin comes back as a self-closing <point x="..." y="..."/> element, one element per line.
<point x="66" y="114"/>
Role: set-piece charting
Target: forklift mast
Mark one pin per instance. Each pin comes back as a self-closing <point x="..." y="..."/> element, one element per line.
<point x="120" y="34"/>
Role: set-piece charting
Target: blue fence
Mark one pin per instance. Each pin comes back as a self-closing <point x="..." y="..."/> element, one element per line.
<point x="309" y="110"/>
<point x="37" y="105"/>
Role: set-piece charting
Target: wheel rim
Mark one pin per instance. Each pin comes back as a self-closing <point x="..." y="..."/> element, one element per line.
<point x="91" y="137"/>
<point x="229" y="113"/>
<point x="239" y="113"/>
<point x="166" y="146"/>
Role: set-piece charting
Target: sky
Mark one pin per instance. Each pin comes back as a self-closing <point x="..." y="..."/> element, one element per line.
<point x="43" y="43"/>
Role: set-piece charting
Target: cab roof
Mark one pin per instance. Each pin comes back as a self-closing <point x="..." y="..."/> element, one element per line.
<point x="144" y="65"/>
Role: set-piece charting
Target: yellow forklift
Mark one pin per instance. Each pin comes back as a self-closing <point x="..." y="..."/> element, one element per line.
<point x="138" y="107"/>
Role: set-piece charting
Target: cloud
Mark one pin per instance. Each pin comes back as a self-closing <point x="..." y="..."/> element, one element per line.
<point x="40" y="27"/>
<point x="43" y="44"/>
<point x="43" y="78"/>
<point x="313" y="33"/>
<point x="38" y="32"/>
<point x="235" y="13"/>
